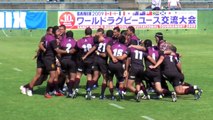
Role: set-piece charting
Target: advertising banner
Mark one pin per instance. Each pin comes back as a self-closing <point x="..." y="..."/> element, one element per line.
<point x="123" y="19"/>
<point x="23" y="19"/>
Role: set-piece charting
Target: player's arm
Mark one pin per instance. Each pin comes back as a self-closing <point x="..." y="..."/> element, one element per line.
<point x="169" y="3"/>
<point x="123" y="57"/>
<point x="101" y="54"/>
<point x="179" y="5"/>
<point x="73" y="50"/>
<point x="57" y="49"/>
<point x="158" y="62"/>
<point x="89" y="52"/>
<point x="139" y="47"/>
<point x="127" y="63"/>
<point x="40" y="47"/>
<point x="178" y="64"/>
<point x="41" y="44"/>
<point x="167" y="52"/>
<point x="109" y="51"/>
<point x="151" y="60"/>
<point x="110" y="54"/>
<point x="179" y="67"/>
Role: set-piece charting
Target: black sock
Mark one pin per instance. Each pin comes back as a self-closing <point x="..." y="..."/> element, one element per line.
<point x="70" y="86"/>
<point x="27" y="85"/>
<point x="56" y="86"/>
<point x="77" y="82"/>
<point x="190" y="90"/>
<point x="111" y="91"/>
<point x="103" y="88"/>
<point x="144" y="90"/>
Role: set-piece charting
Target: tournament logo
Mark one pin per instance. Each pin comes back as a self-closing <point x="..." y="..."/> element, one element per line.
<point x="67" y="19"/>
<point x="53" y="66"/>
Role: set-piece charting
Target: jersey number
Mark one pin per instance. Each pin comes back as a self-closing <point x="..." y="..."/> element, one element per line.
<point x="86" y="47"/>
<point x="171" y="58"/>
<point x="154" y="56"/>
<point x="68" y="46"/>
<point x="117" y="52"/>
<point x="138" y="55"/>
<point x="102" y="47"/>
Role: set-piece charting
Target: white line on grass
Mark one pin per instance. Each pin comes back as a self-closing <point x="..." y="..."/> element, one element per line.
<point x="4" y="33"/>
<point x="147" y="118"/>
<point x="117" y="106"/>
<point x="16" y="69"/>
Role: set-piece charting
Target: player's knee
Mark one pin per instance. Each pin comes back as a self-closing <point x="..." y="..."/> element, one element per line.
<point x="179" y="90"/>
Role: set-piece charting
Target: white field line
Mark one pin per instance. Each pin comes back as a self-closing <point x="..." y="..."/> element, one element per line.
<point x="16" y="69"/>
<point x="117" y="106"/>
<point x="4" y="33"/>
<point x="147" y="118"/>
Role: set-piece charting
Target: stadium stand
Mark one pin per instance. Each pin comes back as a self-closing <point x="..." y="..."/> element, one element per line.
<point x="98" y="4"/>
<point x="186" y="4"/>
<point x="60" y="4"/>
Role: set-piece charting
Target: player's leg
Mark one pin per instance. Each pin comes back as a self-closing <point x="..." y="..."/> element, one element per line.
<point x="50" y="66"/>
<point x="95" y="77"/>
<point x="50" y="84"/>
<point x="27" y="89"/>
<point x="77" y="80"/>
<point x="90" y="85"/>
<point x="158" y="87"/>
<point x="56" y="82"/>
<point x="111" y="86"/>
<point x="79" y="73"/>
<point x="130" y="86"/>
<point x="104" y="71"/>
<point x="71" y="82"/>
<point x="194" y="90"/>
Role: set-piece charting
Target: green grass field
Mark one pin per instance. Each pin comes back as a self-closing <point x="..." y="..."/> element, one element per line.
<point x="18" y="51"/>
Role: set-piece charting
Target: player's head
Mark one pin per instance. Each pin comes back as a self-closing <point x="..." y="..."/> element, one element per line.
<point x="148" y="43"/>
<point x="116" y="32"/>
<point x="100" y="31"/>
<point x="88" y="31"/>
<point x="124" y="33"/>
<point x="130" y="30"/>
<point x="122" y="39"/>
<point x="49" y="30"/>
<point x="56" y="31"/>
<point x="133" y="42"/>
<point x="96" y="38"/>
<point x="62" y="29"/>
<point x="109" y="33"/>
<point x="69" y="34"/>
<point x="173" y="49"/>
<point x="158" y="36"/>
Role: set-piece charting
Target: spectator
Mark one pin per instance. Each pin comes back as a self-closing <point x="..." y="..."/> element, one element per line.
<point x="174" y="5"/>
<point x="156" y="4"/>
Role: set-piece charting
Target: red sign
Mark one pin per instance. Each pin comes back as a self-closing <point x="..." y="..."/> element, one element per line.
<point x="67" y="19"/>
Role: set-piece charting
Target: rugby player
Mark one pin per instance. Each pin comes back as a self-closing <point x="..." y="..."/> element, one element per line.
<point x="85" y="60"/>
<point x="154" y="75"/>
<point x="116" y="66"/>
<point x="100" y="59"/>
<point x="171" y="72"/>
<point x="49" y="59"/>
<point x="136" y="71"/>
<point x="68" y="63"/>
<point x="131" y="33"/>
<point x="41" y="74"/>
